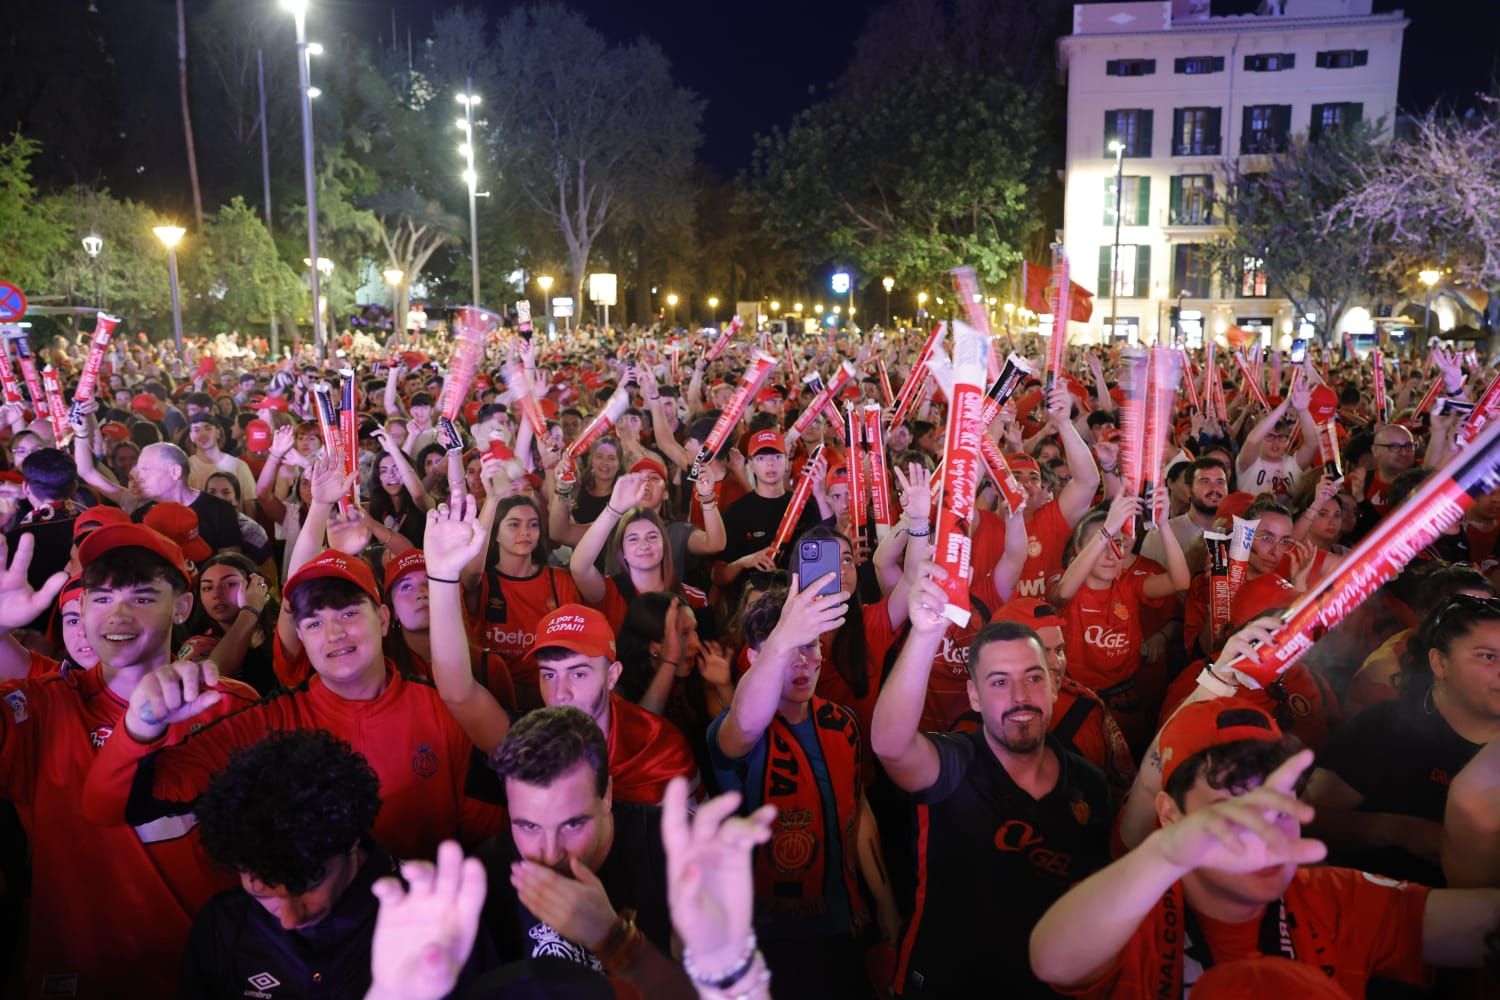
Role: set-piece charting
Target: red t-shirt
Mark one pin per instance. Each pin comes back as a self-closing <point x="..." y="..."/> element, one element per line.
<point x="1376" y="492"/>
<point x="506" y="621"/>
<point x="490" y="670"/>
<point x="948" y="684"/>
<point x="110" y="904"/>
<point x="1313" y="710"/>
<point x="1102" y="629"/>
<point x="1047" y="537"/>
<point x="1349" y="924"/>
<point x="645" y="753"/>
<point x="411" y="740"/>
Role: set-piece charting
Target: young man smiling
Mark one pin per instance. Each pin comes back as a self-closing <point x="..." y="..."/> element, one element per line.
<point x="401" y="727"/>
<point x="135" y="587"/>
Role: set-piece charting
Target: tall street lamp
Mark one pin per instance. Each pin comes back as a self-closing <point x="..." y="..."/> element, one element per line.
<point x="93" y="245"/>
<point x="672" y="301"/>
<point x="888" y="283"/>
<point x="1060" y="322"/>
<point x="544" y="282"/>
<point x="1429" y="277"/>
<point x="921" y="303"/>
<point x="844" y="282"/>
<point x="305" y="51"/>
<point x="713" y="306"/>
<point x="470" y="101"/>
<point x="393" y="276"/>
<point x="170" y="236"/>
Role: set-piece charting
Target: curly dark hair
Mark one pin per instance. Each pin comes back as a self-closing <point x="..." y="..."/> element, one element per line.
<point x="283" y="808"/>
<point x="548" y="742"/>
<point x="1234" y="766"/>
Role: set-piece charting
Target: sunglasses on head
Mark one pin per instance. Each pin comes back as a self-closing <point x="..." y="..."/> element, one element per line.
<point x="1488" y="606"/>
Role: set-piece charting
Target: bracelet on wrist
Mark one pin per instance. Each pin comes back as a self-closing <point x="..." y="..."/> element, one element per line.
<point x="916" y="532"/>
<point x="621" y="945"/>
<point x="611" y="509"/>
<point x="726" y="979"/>
<point x="438" y="579"/>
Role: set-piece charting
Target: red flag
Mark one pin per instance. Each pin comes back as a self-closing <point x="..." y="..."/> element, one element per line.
<point x="1034" y="282"/>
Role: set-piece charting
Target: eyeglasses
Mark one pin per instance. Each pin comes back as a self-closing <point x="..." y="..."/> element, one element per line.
<point x="1400" y="446"/>
<point x="1266" y="538"/>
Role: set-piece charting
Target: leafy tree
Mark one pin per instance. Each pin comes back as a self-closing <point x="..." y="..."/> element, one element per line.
<point x="235" y="276"/>
<point x="1430" y="201"/>
<point x="587" y="127"/>
<point x="1274" y="215"/>
<point x="910" y="176"/>
<point x="30" y="237"/>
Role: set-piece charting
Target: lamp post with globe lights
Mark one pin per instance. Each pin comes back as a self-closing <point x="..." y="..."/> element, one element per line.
<point x="672" y="301"/>
<point x="93" y="245"/>
<point x="470" y="101"/>
<point x="170" y="236"/>
<point x="305" y="51"/>
<point x="888" y="283"/>
<point x="713" y="307"/>
<point x="393" y="276"/>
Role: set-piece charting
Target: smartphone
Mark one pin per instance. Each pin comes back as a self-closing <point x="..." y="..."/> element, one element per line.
<point x="816" y="558"/>
<point x="1458" y="406"/>
<point x="1299" y="350"/>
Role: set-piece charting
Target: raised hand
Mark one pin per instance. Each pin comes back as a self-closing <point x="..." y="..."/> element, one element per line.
<point x="1249" y="832"/>
<point x="454" y="537"/>
<point x="759" y="560"/>
<point x="1122" y="509"/>
<point x="255" y="593"/>
<point x="20" y="605"/>
<point x="713" y="664"/>
<point x="629" y="491"/>
<point x="807" y="614"/>
<point x="282" y="440"/>
<point x="349" y="531"/>
<point x="173" y="693"/>
<point x="710" y="882"/>
<point x="916" y="492"/>
<point x="425" y="930"/>
<point x="329" y="483"/>
<point x="926" y="600"/>
<point x="1059" y="404"/>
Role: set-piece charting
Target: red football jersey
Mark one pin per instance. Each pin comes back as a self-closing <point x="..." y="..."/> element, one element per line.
<point x="645" y="752"/>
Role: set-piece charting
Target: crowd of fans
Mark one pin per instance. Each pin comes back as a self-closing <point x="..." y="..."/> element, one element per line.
<point x="262" y="698"/>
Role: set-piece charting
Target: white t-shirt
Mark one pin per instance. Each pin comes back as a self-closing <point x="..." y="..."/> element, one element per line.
<point x="1279" y="478"/>
<point x="200" y="468"/>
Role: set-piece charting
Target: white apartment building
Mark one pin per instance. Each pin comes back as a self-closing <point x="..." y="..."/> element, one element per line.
<point x="1182" y="91"/>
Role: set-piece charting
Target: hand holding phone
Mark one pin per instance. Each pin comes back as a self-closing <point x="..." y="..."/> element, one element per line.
<point x="816" y="558"/>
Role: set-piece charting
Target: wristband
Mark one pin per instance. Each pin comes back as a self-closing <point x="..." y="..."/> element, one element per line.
<point x="438" y="579"/>
<point x="1218" y="685"/>
<point x="721" y="982"/>
<point x="616" y="513"/>
<point x="621" y="945"/>
<point x="246" y="607"/>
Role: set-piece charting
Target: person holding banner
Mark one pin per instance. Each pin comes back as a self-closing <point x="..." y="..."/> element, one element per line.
<point x="1264" y="464"/>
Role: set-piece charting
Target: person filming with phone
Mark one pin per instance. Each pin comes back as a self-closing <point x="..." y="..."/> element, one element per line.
<point x="810" y="915"/>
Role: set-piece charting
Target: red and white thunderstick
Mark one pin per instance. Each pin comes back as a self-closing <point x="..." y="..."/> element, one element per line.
<point x="880" y="480"/>
<point x="1134" y="372"/>
<point x="104" y="328"/>
<point x="518" y="381"/>
<point x="29" y="373"/>
<point x="1015" y="371"/>
<point x="349" y="429"/>
<point x="1437" y="385"/>
<point x="722" y="343"/>
<point x="1241" y="538"/>
<point x="55" y="410"/>
<point x="1377" y="370"/>
<point x="912" y="387"/>
<point x="1439" y="503"/>
<point x="614" y="408"/>
<point x="750" y="382"/>
<point x="1217" y="544"/>
<point x="1161" y="393"/>
<point x="472" y="327"/>
<point x="328" y="425"/>
<point x="824" y="399"/>
<point x="966" y="284"/>
<point x="8" y="374"/>
<point x="951" y="545"/>
<point x="999" y="469"/>
<point x="1485" y="412"/>
<point x="854" y="457"/>
<point x="793" y="512"/>
<point x="1251" y="380"/>
<point x="1192" y="373"/>
<point x="886" y="396"/>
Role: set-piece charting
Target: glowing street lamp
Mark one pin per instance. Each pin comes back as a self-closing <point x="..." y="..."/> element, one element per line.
<point x="393" y="276"/>
<point x="888" y="283"/>
<point x="713" y="305"/>
<point x="305" y="51"/>
<point x="1429" y="277"/>
<point x="775" y="307"/>
<point x="93" y="245"/>
<point x="672" y="301"/>
<point x="471" y="180"/>
<point x="170" y="236"/>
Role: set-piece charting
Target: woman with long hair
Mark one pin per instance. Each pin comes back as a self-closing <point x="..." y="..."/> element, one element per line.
<point x="396" y="499"/>
<point x="1381" y="784"/>
<point x="574" y="508"/>
<point x="513" y="588"/>
<point x="233" y="620"/>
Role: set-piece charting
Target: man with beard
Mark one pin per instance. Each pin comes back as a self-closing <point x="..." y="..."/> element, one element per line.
<point x="1004" y="806"/>
<point x="1208" y="485"/>
<point x="1395" y="451"/>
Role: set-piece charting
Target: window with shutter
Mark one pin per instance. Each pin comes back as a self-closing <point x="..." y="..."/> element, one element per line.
<point x="1270" y="62"/>
<point x="1192" y="273"/>
<point x="1142" y="272"/>
<point x="1343" y="58"/>
<point x="1130" y="67"/>
<point x="1192" y="200"/>
<point x="1133" y="273"/>
<point x="1197" y="65"/>
<point x="1196" y="132"/>
<point x="1131" y="128"/>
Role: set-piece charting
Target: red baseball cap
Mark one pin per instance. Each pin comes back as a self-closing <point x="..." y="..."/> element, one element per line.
<point x="648" y="464"/>
<point x="1020" y="460"/>
<point x="97" y="517"/>
<point x="410" y="561"/>
<point x="765" y="440"/>
<point x="1322" y="403"/>
<point x="768" y="394"/>
<point x="72" y="590"/>
<point x="1266" y="592"/>
<point x="336" y="565"/>
<point x="148" y="405"/>
<point x="114" y="430"/>
<point x="1266" y="976"/>
<point x="257" y="435"/>
<point x="1030" y="611"/>
<point x="837" y="474"/>
<point x="272" y="402"/>
<point x="578" y="628"/>
<point x="131" y="536"/>
<point x="179" y="523"/>
<point x="547" y="406"/>
<point x="1201" y="725"/>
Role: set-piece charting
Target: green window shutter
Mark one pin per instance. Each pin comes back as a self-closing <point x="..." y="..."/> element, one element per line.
<point x="1208" y="195"/>
<point x="1362" y="57"/>
<point x="1218" y="64"/>
<point x="1142" y="202"/>
<point x="1289" y="60"/>
<point x="1215" y="131"/>
<point x="1179" y="66"/>
<point x="1179" y="116"/>
<point x="1355" y="115"/>
<point x="1247" y="138"/>
<point x="1175" y="194"/>
<point x="1281" y="125"/>
<point x="1142" y="272"/>
<point x="1111" y="130"/>
<point x="1322" y="60"/>
<point x="1145" y="143"/>
<point x="1315" y="129"/>
<point x="1109" y="200"/>
<point x="1150" y="67"/>
<point x="1104" y="255"/>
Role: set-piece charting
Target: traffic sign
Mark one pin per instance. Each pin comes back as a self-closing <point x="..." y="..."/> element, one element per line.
<point x="12" y="302"/>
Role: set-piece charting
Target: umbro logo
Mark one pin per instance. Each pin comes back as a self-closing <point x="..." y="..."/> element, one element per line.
<point x="262" y="981"/>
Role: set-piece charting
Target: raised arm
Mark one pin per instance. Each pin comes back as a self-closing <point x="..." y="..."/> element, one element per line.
<point x="1007" y="572"/>
<point x="328" y="484"/>
<point x="1076" y="497"/>
<point x="1300" y="396"/>
<point x="20" y="605"/>
<point x="265" y="483"/>
<point x="711" y="538"/>
<point x="409" y="477"/>
<point x="454" y="534"/>
<point x="1250" y="450"/>
<point x="1471" y="822"/>
<point x="805" y="616"/>
<point x="625" y="495"/>
<point x="1121" y="509"/>
<point x="229" y="652"/>
<point x="88" y="471"/>
<point x="909" y="757"/>
<point x="1177" y="578"/>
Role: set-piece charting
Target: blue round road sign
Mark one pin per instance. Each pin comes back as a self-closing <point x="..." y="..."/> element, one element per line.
<point x="12" y="302"/>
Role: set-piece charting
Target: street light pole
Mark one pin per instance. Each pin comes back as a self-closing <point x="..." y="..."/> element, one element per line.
<point x="888" y="283"/>
<point x="304" y="82"/>
<point x="544" y="282"/>
<point x="93" y="245"/>
<point x="265" y="177"/>
<point x="1429" y="277"/>
<point x="468" y="100"/>
<point x="1114" y="263"/>
<point x="393" y="276"/>
<point x="169" y="236"/>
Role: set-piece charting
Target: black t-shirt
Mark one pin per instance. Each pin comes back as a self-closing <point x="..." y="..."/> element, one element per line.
<point x="750" y="523"/>
<point x="218" y="522"/>
<point x="1401" y="757"/>
<point x="990" y="861"/>
<point x="634" y="875"/>
<point x="587" y="508"/>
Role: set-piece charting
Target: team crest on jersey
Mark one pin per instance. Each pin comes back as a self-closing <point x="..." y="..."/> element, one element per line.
<point x="20" y="710"/>
<point x="425" y="762"/>
<point x="1300" y="705"/>
<point x="100" y="735"/>
<point x="260" y="984"/>
<point x="793" y="847"/>
<point x="1081" y="811"/>
<point x="1033" y="548"/>
<point x="1121" y="612"/>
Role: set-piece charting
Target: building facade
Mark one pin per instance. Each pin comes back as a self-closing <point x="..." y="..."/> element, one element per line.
<point x="1182" y="92"/>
